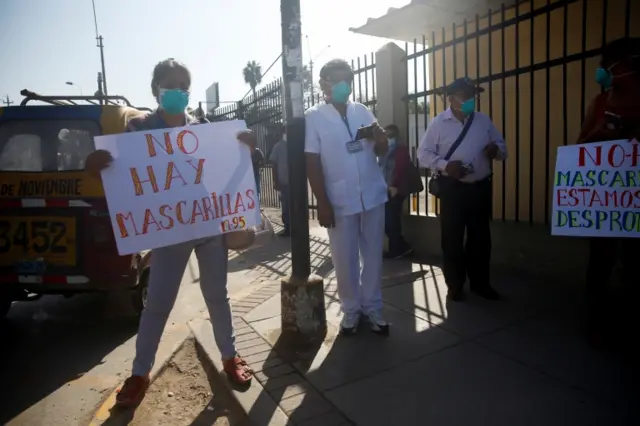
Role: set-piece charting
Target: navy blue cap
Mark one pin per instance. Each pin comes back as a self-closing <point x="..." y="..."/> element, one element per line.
<point x="460" y="85"/>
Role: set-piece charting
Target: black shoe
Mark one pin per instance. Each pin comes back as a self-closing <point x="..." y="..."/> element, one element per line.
<point x="284" y="234"/>
<point x="455" y="294"/>
<point x="487" y="293"/>
<point x="398" y="255"/>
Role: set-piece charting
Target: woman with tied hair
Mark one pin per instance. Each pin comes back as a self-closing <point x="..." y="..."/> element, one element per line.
<point x="170" y="86"/>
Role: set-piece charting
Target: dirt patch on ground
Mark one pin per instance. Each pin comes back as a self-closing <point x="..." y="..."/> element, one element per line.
<point x="185" y="395"/>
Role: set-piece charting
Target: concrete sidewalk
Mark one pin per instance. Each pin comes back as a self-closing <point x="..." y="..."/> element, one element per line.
<point x="519" y="361"/>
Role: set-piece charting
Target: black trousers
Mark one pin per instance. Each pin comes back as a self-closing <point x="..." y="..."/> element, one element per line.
<point x="393" y="224"/>
<point x="603" y="256"/>
<point x="466" y="207"/>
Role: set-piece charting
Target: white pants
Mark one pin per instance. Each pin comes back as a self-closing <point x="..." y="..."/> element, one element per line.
<point x="356" y="249"/>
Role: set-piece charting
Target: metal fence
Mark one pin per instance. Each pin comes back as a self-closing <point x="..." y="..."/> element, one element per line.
<point x="264" y="113"/>
<point x="536" y="61"/>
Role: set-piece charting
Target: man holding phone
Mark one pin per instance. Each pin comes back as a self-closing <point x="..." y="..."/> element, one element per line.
<point x="343" y="141"/>
<point x="458" y="147"/>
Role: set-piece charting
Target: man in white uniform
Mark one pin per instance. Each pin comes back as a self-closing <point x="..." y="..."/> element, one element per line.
<point x="463" y="161"/>
<point x="351" y="193"/>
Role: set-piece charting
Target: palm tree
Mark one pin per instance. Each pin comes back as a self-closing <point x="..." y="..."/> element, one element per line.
<point x="252" y="75"/>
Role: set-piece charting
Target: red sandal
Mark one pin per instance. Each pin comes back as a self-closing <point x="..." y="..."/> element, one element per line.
<point x="238" y="370"/>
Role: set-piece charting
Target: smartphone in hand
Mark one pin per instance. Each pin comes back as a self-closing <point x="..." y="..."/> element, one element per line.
<point x="365" y="132"/>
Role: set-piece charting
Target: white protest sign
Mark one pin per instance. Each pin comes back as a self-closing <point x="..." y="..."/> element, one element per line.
<point x="597" y="190"/>
<point x="173" y="185"/>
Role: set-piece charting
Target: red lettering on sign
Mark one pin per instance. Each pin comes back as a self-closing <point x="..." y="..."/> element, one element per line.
<point x="208" y="211"/>
<point x="164" y="210"/>
<point x="584" y="152"/>
<point x="197" y="211"/>
<point x="240" y="203"/>
<point x="173" y="173"/>
<point x="137" y="182"/>
<point x="198" y="168"/>
<point x="152" y="149"/>
<point x="611" y="156"/>
<point x="149" y="220"/>
<point x="121" y="220"/>
<point x="252" y="202"/>
<point x="179" y="213"/>
<point x="181" y="141"/>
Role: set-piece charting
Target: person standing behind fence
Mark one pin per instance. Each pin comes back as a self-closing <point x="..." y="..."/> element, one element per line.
<point x="458" y="147"/>
<point x="351" y="193"/>
<point x="257" y="159"/>
<point x="619" y="76"/>
<point x="394" y="167"/>
<point x="280" y="171"/>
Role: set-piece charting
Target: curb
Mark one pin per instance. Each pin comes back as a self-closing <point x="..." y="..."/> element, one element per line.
<point x="261" y="409"/>
<point x="103" y="413"/>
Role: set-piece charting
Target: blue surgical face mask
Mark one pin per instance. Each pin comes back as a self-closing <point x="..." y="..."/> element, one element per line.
<point x="392" y="142"/>
<point x="173" y="101"/>
<point x="340" y="92"/>
<point x="467" y="107"/>
<point x="604" y="78"/>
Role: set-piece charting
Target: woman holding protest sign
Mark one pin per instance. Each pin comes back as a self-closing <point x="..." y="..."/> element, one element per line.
<point x="613" y="115"/>
<point x="170" y="85"/>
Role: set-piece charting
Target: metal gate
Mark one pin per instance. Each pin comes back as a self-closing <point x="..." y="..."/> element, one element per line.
<point x="537" y="61"/>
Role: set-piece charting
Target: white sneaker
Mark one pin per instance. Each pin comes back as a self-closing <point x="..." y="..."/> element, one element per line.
<point x="349" y="323"/>
<point x="378" y="324"/>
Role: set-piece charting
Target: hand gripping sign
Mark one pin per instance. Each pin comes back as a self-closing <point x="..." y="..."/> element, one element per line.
<point x="174" y="185"/>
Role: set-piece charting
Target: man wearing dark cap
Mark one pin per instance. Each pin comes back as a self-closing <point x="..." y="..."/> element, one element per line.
<point x="458" y="147"/>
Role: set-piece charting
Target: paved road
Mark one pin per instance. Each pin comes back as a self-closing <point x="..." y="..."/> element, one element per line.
<point x="62" y="357"/>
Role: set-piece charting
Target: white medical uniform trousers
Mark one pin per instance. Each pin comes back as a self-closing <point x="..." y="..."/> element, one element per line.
<point x="356" y="250"/>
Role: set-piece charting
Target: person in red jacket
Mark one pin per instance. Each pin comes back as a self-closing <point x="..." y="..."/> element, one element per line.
<point x="613" y="114"/>
<point x="394" y="166"/>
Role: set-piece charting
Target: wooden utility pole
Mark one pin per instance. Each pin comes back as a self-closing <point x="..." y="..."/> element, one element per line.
<point x="7" y="101"/>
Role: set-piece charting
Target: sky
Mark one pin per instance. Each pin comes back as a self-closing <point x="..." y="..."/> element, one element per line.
<point x="46" y="43"/>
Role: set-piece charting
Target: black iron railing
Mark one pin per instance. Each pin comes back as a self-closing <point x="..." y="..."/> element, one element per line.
<point x="536" y="63"/>
<point x="264" y="114"/>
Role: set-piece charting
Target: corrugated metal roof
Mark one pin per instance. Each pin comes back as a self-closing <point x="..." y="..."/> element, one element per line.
<point x="422" y="17"/>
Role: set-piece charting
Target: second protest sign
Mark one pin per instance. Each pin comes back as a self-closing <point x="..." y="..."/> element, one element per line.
<point x="597" y="190"/>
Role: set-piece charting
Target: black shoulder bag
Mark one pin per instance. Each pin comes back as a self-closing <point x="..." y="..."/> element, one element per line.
<point x="435" y="187"/>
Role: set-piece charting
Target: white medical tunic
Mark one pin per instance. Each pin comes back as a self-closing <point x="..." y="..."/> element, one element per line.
<point x="353" y="180"/>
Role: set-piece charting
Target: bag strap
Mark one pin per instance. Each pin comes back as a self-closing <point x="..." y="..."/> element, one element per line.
<point x="458" y="141"/>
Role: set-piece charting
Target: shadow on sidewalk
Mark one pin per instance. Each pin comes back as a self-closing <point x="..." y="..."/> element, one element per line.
<point x="340" y="360"/>
<point x="443" y="360"/>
